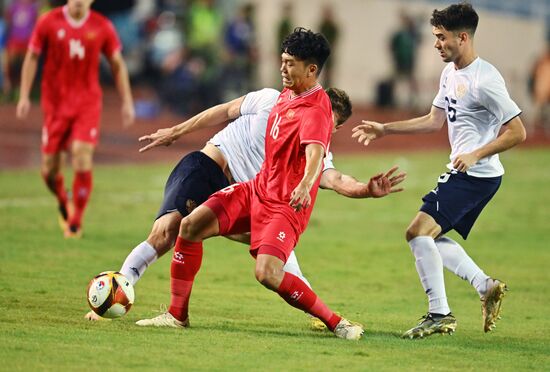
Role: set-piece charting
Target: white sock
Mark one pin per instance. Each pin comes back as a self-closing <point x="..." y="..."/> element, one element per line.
<point x="456" y="259"/>
<point x="292" y="267"/>
<point x="430" y="270"/>
<point x="137" y="261"/>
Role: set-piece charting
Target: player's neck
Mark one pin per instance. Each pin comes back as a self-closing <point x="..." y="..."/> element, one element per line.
<point x="304" y="88"/>
<point x="465" y="59"/>
<point x="77" y="15"/>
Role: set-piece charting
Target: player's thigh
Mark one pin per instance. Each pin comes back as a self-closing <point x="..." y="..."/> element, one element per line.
<point x="82" y="155"/>
<point x="272" y="234"/>
<point x="423" y="225"/>
<point x="56" y="133"/>
<point x="52" y="164"/>
<point x="231" y="205"/>
<point x="201" y="224"/>
<point x="190" y="183"/>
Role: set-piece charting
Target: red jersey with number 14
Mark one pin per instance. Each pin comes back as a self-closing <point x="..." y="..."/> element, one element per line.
<point x="294" y="122"/>
<point x="72" y="49"/>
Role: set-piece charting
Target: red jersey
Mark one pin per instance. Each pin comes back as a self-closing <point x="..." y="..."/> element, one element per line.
<point x="71" y="49"/>
<point x="293" y="123"/>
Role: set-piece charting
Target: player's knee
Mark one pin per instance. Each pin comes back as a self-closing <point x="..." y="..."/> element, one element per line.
<point x="266" y="276"/>
<point x="411" y="233"/>
<point x="190" y="229"/>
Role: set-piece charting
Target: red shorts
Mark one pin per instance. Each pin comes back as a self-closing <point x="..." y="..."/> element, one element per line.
<point x="239" y="210"/>
<point x="60" y="130"/>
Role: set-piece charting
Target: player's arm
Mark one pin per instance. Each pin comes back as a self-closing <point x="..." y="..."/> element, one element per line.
<point x="378" y="186"/>
<point x="122" y="81"/>
<point x="513" y="134"/>
<point x="213" y="116"/>
<point x="371" y="130"/>
<point x="28" y="73"/>
<point x="300" y="197"/>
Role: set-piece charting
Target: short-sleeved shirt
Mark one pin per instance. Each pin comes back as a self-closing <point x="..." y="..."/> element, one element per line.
<point x="294" y="122"/>
<point x="72" y="49"/>
<point x="242" y="142"/>
<point x="477" y="105"/>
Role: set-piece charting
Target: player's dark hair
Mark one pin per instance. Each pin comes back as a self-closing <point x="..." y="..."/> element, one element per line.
<point x="307" y="46"/>
<point x="456" y="17"/>
<point x="341" y="104"/>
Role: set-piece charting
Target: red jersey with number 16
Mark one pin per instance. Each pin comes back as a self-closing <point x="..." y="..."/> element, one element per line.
<point x="70" y="78"/>
<point x="294" y="122"/>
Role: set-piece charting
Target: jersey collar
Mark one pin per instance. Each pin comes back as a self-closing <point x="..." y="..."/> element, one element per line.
<point x="308" y="92"/>
<point x="73" y="22"/>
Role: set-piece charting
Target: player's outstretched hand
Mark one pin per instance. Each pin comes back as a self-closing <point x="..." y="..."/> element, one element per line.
<point x="368" y="131"/>
<point x="23" y="108"/>
<point x="128" y="114"/>
<point x="384" y="184"/>
<point x="300" y="198"/>
<point x="162" y="137"/>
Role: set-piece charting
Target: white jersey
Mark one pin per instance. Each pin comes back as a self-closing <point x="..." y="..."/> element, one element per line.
<point x="242" y="142"/>
<point x="477" y="105"/>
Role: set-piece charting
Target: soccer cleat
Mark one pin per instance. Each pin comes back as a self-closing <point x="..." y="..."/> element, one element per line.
<point x="63" y="217"/>
<point x="93" y="317"/>
<point x="491" y="304"/>
<point x="73" y="232"/>
<point x="430" y="324"/>
<point x="316" y="324"/>
<point x="163" y="320"/>
<point x="348" y="330"/>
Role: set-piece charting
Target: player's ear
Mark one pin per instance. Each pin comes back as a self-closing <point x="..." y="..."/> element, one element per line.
<point x="312" y="70"/>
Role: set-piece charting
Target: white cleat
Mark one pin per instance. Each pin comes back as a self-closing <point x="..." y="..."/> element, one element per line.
<point x="163" y="320"/>
<point x="348" y="331"/>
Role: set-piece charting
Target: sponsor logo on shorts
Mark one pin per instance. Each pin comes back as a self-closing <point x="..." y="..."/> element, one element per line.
<point x="281" y="237"/>
<point x="190" y="205"/>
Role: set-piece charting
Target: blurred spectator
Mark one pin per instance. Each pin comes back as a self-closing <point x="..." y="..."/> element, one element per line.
<point x="241" y="54"/>
<point x="403" y="46"/>
<point x="3" y="57"/>
<point x="205" y="25"/>
<point x="541" y="90"/>
<point x="330" y="29"/>
<point x="285" y="27"/>
<point x="20" y="17"/>
<point x="166" y="41"/>
<point x="128" y="17"/>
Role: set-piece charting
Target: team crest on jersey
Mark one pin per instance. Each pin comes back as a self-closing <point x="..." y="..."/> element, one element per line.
<point x="461" y="90"/>
<point x="61" y="34"/>
<point x="290" y="114"/>
<point x="90" y="35"/>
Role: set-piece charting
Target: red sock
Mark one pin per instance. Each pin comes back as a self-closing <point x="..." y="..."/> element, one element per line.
<point x="57" y="186"/>
<point x="294" y="291"/>
<point x="186" y="263"/>
<point x="82" y="188"/>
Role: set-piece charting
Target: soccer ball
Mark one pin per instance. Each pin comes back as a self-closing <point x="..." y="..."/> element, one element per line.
<point x="110" y="294"/>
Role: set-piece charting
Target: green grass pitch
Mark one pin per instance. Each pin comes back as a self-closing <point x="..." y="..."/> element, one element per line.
<point x="353" y="253"/>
